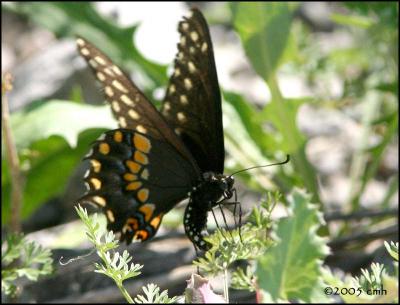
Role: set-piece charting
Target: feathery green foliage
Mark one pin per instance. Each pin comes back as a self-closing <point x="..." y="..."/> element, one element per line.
<point x="21" y="258"/>
<point x="115" y="265"/>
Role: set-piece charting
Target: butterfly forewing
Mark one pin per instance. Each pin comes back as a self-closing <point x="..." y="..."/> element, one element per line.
<point x="129" y="105"/>
<point x="192" y="105"/>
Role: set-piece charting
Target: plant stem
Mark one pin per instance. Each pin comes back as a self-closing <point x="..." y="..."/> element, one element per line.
<point x="125" y="293"/>
<point x="12" y="158"/>
<point x="226" y="289"/>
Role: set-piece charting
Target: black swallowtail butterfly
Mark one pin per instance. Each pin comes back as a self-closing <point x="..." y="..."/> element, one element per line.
<point x="156" y="159"/>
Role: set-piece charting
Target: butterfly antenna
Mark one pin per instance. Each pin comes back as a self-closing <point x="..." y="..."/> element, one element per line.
<point x="279" y="163"/>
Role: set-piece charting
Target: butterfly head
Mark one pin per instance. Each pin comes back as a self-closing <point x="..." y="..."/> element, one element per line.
<point x="220" y="185"/>
<point x="226" y="185"/>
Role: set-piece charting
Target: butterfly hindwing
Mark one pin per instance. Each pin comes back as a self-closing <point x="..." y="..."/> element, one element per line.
<point x="136" y="179"/>
<point x="192" y="104"/>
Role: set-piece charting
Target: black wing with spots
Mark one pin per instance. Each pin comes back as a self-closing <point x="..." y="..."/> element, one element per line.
<point x="136" y="179"/>
<point x="139" y="172"/>
<point x="192" y="105"/>
<point x="129" y="105"/>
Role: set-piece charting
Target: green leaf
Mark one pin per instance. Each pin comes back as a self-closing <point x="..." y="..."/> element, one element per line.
<point x="237" y="136"/>
<point x="48" y="169"/>
<point x="22" y="258"/>
<point x="291" y="269"/>
<point x="45" y="134"/>
<point x="393" y="249"/>
<point x="41" y="120"/>
<point x="264" y="29"/>
<point x="358" y="21"/>
<point x="252" y="121"/>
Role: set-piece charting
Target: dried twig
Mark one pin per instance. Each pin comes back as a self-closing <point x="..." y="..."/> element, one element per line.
<point x="361" y="214"/>
<point x="364" y="236"/>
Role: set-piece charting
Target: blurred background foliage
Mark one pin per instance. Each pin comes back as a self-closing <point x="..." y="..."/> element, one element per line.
<point x="358" y="79"/>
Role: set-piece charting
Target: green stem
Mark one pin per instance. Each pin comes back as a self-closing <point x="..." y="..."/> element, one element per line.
<point x="125" y="292"/>
<point x="119" y="283"/>
<point x="226" y="289"/>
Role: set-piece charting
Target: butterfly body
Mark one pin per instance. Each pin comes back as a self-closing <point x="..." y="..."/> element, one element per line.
<point x="156" y="159"/>
<point x="211" y="190"/>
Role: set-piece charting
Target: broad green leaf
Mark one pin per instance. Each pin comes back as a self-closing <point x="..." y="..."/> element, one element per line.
<point x="252" y="122"/>
<point x="264" y="29"/>
<point x="291" y="269"/>
<point x="48" y="168"/>
<point x="236" y="137"/>
<point x="43" y="119"/>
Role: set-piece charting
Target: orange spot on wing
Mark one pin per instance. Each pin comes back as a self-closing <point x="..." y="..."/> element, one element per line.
<point x="133" y="166"/>
<point x="143" y="195"/>
<point x="141" y="157"/>
<point x="96" y="183"/>
<point x="130" y="177"/>
<point x="156" y="221"/>
<point x="96" y="165"/>
<point x="118" y="136"/>
<point x="133" y="186"/>
<point x="133" y="223"/>
<point x="142" y="235"/>
<point x="104" y="148"/>
<point x="147" y="210"/>
<point x="141" y="143"/>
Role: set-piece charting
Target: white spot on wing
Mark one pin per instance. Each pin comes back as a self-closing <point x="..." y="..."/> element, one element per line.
<point x="119" y="86"/>
<point x="80" y="42"/>
<point x="167" y="105"/>
<point x="127" y="100"/>
<point x="122" y="122"/>
<point x="85" y="51"/>
<point x="183" y="41"/>
<point x="141" y="129"/>
<point x="185" y="26"/>
<point x="183" y="99"/>
<point x="109" y="91"/>
<point x="192" y="67"/>
<point x="115" y="106"/>
<point x="172" y="89"/>
<point x="133" y="114"/>
<point x="100" y="60"/>
<point x="181" y="117"/>
<point x="204" y="47"/>
<point x="93" y="63"/>
<point x="188" y="83"/>
<point x="194" y="36"/>
<point x="100" y="76"/>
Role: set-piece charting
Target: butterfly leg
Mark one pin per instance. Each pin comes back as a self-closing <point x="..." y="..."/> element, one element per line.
<point x="235" y="203"/>
<point x="216" y="222"/>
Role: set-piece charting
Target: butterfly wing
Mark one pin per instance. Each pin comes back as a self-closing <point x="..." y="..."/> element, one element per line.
<point x="139" y="172"/>
<point x="129" y="105"/>
<point x="136" y="179"/>
<point x="192" y="105"/>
